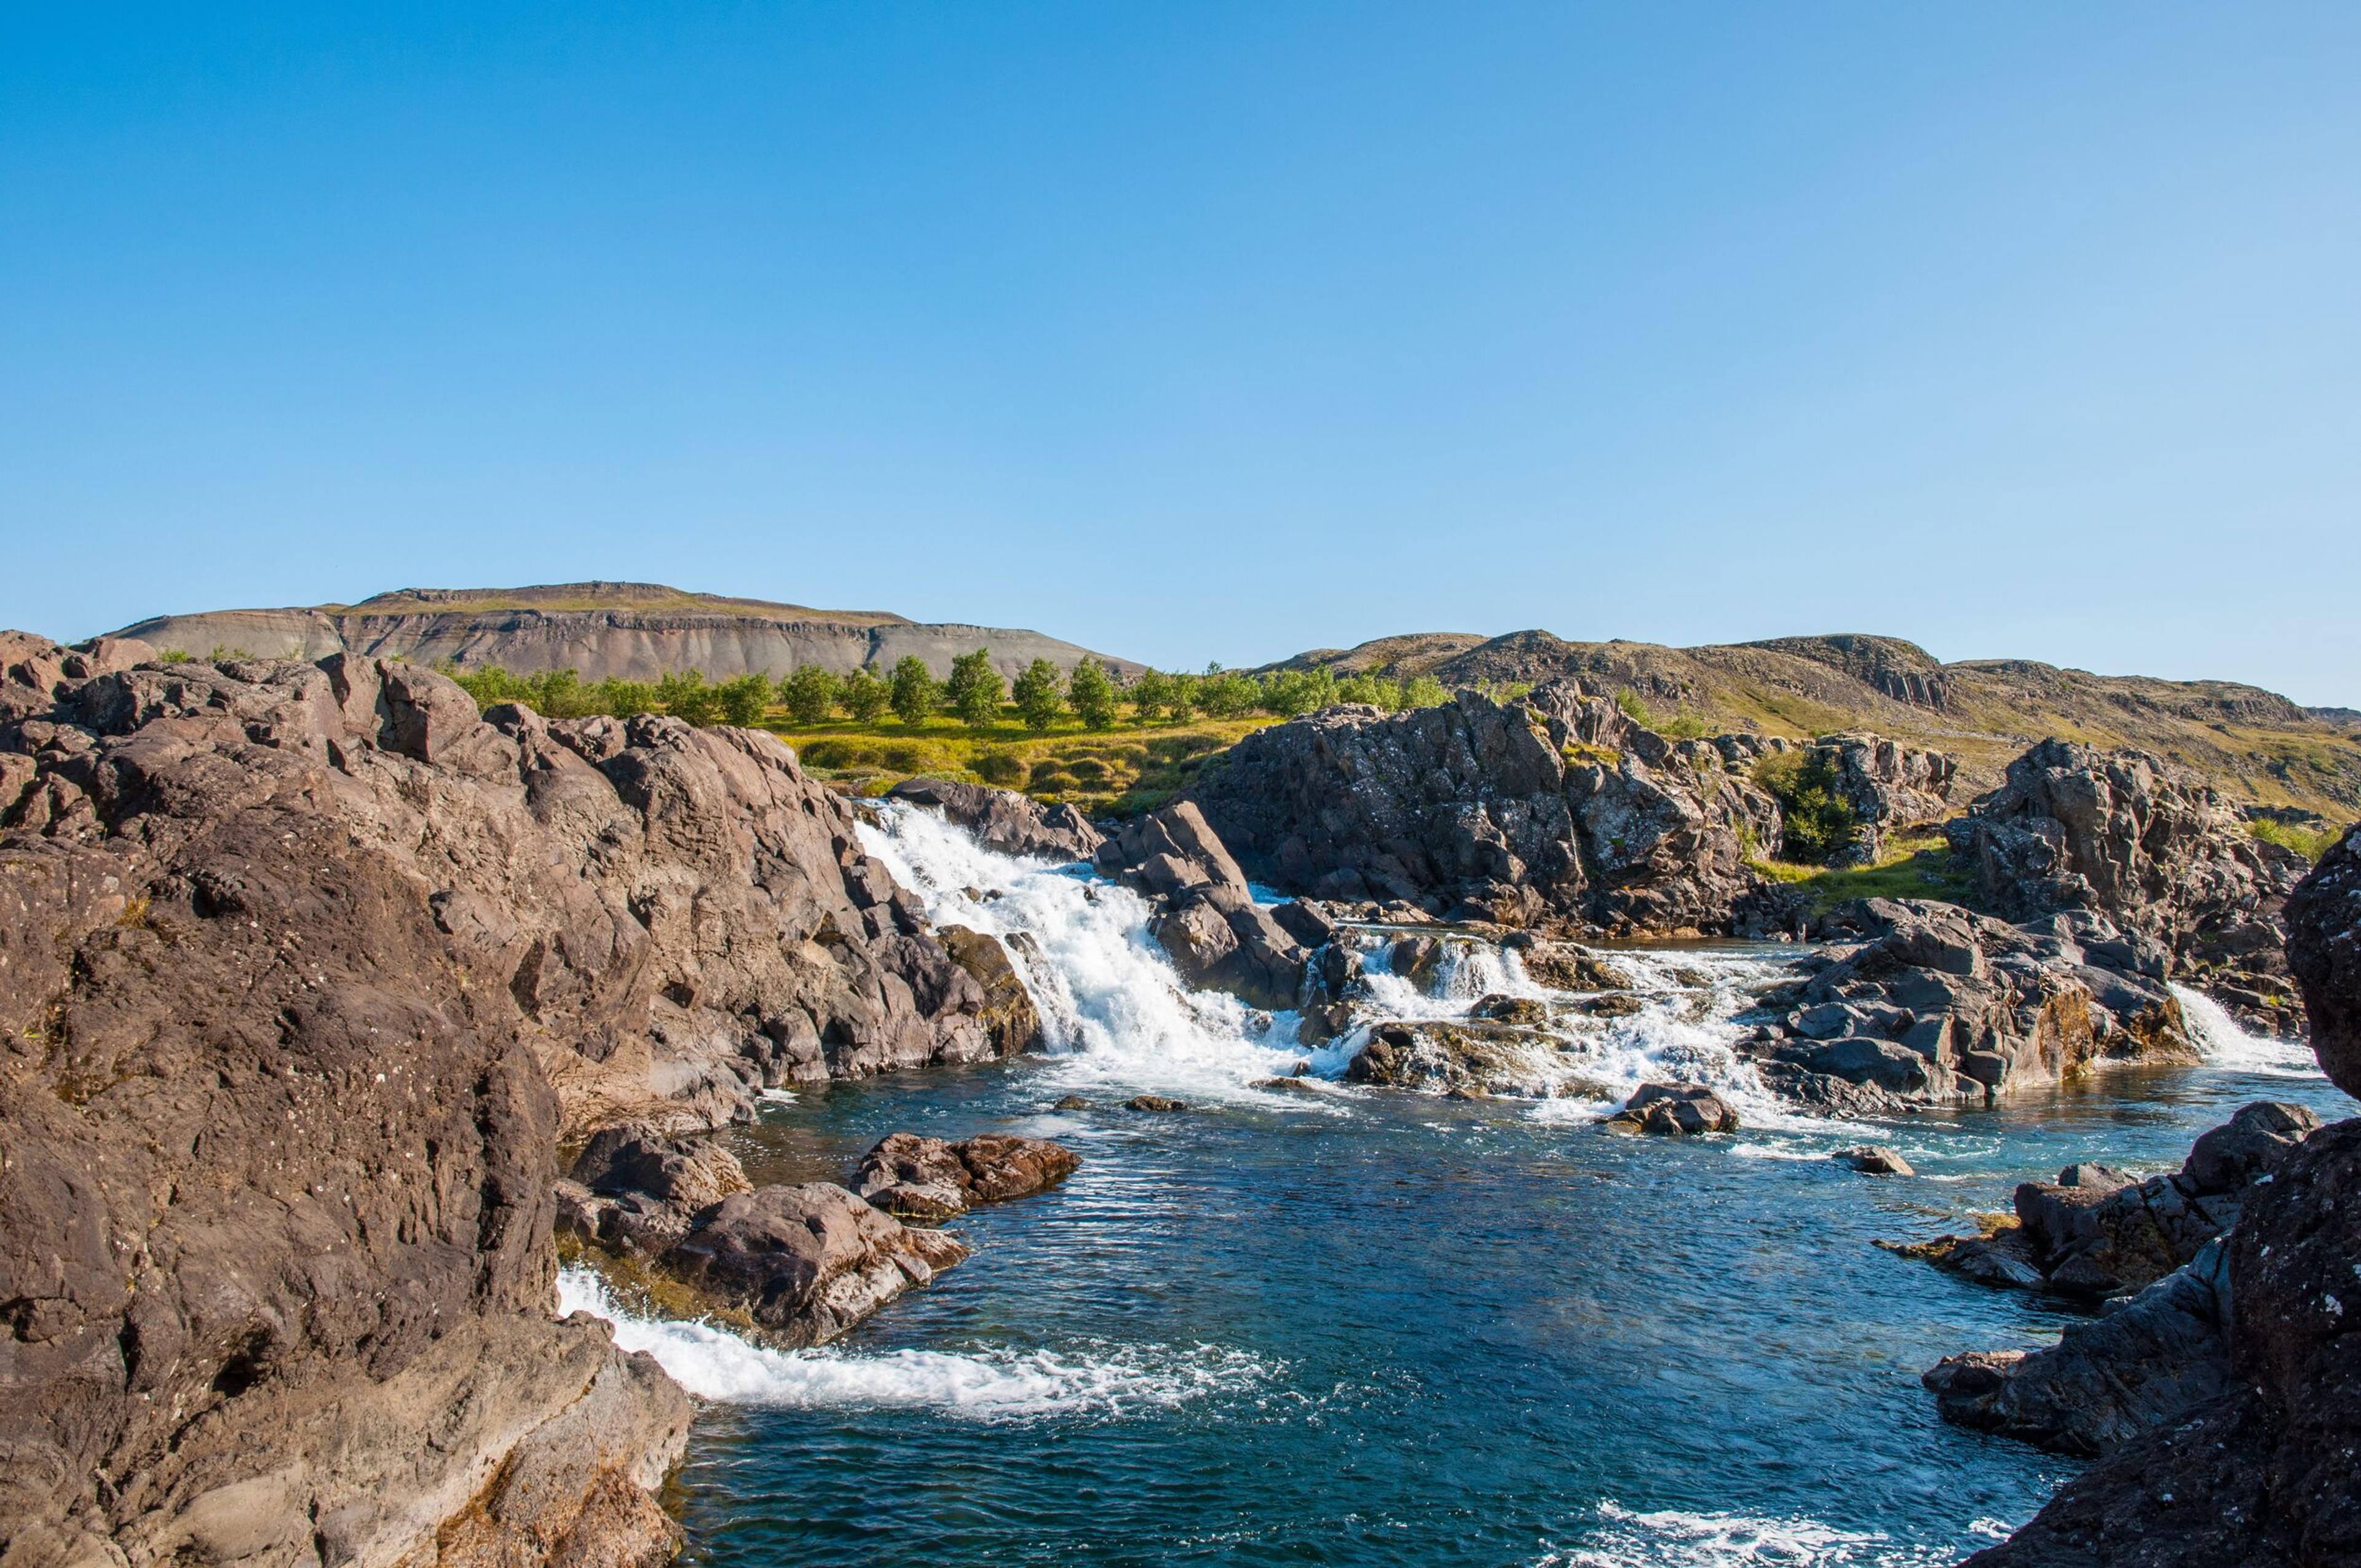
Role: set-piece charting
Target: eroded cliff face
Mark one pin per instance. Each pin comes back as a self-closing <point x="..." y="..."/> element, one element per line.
<point x="304" y="971"/>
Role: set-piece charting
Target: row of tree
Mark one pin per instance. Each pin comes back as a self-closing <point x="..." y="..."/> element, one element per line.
<point x="974" y="693"/>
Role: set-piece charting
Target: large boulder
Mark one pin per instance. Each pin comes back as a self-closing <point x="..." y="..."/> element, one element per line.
<point x="2125" y="836"/>
<point x="917" y="1178"/>
<point x="1207" y="918"/>
<point x="1673" y="1110"/>
<point x="309" y="969"/>
<point x="1889" y="788"/>
<point x="1937" y="1004"/>
<point x="2324" y="951"/>
<point x="1555" y="806"/>
<point x="1005" y="820"/>
<point x="807" y="1263"/>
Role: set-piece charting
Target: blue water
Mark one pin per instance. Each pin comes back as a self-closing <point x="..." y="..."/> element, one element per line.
<point x="1345" y="1326"/>
<point x="1429" y="1331"/>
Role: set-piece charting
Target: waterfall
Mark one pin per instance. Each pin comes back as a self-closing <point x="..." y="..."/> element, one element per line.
<point x="2226" y="1045"/>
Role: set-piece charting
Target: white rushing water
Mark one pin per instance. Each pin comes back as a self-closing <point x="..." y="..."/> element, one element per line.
<point x="2226" y="1045"/>
<point x="1116" y="1013"/>
<point x="989" y="1385"/>
<point x="1674" y="1539"/>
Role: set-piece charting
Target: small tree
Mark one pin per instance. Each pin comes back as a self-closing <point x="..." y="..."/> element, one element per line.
<point x="1038" y="696"/>
<point x="1368" y="688"/>
<point x="976" y="688"/>
<point x="1093" y="694"/>
<point x="1149" y="695"/>
<point x="914" y="693"/>
<point x="1424" y="691"/>
<point x="686" y="696"/>
<point x="809" y="694"/>
<point x="864" y="696"/>
<point x="745" y="700"/>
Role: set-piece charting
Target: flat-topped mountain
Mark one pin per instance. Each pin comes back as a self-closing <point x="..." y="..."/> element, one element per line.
<point x="2256" y="746"/>
<point x="628" y="630"/>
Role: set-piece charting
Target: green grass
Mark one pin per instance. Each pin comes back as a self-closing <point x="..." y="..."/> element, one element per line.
<point x="2307" y="842"/>
<point x="1918" y="866"/>
<point x="1121" y="771"/>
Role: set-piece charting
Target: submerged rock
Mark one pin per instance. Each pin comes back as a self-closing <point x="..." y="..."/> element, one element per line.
<point x="1873" y="1159"/>
<point x="1673" y="1110"/>
<point x="913" y="1177"/>
<point x="1154" y="1103"/>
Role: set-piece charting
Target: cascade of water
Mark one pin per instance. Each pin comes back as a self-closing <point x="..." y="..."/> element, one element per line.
<point x="2226" y="1045"/>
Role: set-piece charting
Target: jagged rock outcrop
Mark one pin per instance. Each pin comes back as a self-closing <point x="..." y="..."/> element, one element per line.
<point x="1557" y="805"/>
<point x="2105" y="1382"/>
<point x="1005" y="820"/>
<point x="304" y="969"/>
<point x="2122" y="835"/>
<point x="1940" y="1005"/>
<point x="2096" y="1233"/>
<point x="917" y="1178"/>
<point x="2263" y="1474"/>
<point x="1207" y="918"/>
<point x="2323" y="949"/>
<point x="1890" y="788"/>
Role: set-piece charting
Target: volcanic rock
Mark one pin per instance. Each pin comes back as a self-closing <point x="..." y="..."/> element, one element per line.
<point x="1673" y="1110"/>
<point x="1874" y="1159"/>
<point x="913" y="1177"/>
<point x="1005" y="820"/>
<point x="806" y="1261"/>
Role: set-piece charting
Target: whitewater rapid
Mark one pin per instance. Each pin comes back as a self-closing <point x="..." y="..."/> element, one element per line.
<point x="2226" y="1044"/>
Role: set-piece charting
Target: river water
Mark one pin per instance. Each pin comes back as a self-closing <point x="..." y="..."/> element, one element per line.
<point x="1326" y="1325"/>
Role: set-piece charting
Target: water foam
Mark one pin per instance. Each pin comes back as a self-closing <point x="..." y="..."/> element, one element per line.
<point x="2226" y="1045"/>
<point x="991" y="1385"/>
<point x="1111" y="1004"/>
<point x="1672" y="1539"/>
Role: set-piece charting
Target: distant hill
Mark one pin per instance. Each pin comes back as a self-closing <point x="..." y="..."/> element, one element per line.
<point x="2256" y="746"/>
<point x="629" y="631"/>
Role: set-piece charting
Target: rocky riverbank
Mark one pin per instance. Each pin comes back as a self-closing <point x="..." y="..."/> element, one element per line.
<point x="308" y="971"/>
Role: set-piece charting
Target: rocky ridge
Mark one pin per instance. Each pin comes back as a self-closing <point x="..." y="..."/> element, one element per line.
<point x="305" y="970"/>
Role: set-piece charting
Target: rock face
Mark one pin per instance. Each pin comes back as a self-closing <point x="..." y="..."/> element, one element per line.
<point x="1889" y="788"/>
<point x="1005" y="820"/>
<point x="2096" y="1233"/>
<point x="1673" y="1110"/>
<point x="926" y="1179"/>
<point x="2121" y="835"/>
<point x="1940" y="1005"/>
<point x="2263" y="1474"/>
<point x="1206" y="919"/>
<point x="2107" y="1381"/>
<point x="635" y="631"/>
<point x="2323" y="949"/>
<point x="304" y="971"/>
<point x="1554" y="805"/>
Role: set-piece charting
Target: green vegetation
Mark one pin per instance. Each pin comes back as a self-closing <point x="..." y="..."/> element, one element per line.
<point x="976" y="688"/>
<point x="1038" y="697"/>
<point x="914" y="693"/>
<point x="1093" y="694"/>
<point x="1819" y="826"/>
<point x="2305" y="838"/>
<point x="557" y="693"/>
<point x="1920" y="866"/>
<point x="809" y="695"/>
<point x="686" y="696"/>
<point x="744" y="700"/>
<point x="864" y="697"/>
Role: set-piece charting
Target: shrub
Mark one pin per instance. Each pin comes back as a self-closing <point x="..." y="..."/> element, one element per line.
<point x="1634" y="709"/>
<point x="809" y="694"/>
<point x="1368" y="688"/>
<point x="976" y="688"/>
<point x="1038" y="699"/>
<point x="1093" y="694"/>
<point x="686" y="696"/>
<point x="1228" y="694"/>
<point x="1819" y="825"/>
<point x="904" y="759"/>
<point x="745" y="700"/>
<point x="1150" y="695"/>
<point x="1001" y="768"/>
<point x="914" y="693"/>
<point x="2308" y="840"/>
<point x="863" y="696"/>
<point x="1292" y="693"/>
<point x="623" y="698"/>
<point x="1424" y="691"/>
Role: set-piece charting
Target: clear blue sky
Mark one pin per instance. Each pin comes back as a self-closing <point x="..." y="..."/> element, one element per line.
<point x="1199" y="331"/>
